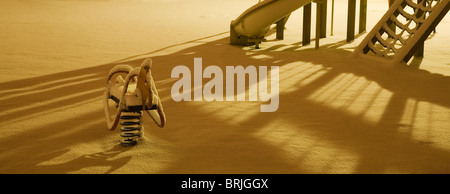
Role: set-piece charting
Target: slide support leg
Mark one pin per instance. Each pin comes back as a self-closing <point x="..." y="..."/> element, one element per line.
<point x="306" y="24"/>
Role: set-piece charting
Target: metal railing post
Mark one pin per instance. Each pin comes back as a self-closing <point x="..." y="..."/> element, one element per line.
<point x="351" y="20"/>
<point x="306" y="24"/>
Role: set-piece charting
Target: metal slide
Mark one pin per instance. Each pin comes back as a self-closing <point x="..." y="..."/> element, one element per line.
<point x="252" y="25"/>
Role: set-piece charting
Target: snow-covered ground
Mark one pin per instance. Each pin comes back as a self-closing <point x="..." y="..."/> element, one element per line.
<point x="337" y="114"/>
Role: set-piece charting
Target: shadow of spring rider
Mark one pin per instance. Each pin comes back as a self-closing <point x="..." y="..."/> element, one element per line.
<point x="125" y="99"/>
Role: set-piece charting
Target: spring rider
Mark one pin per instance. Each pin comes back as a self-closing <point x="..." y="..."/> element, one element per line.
<point x="130" y="91"/>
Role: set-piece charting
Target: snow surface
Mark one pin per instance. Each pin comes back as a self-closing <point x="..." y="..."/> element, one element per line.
<point x="337" y="114"/>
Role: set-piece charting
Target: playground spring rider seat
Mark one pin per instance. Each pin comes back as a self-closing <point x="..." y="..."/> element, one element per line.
<point x="129" y="92"/>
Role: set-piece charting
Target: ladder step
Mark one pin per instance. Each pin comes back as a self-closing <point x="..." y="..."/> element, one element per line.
<point x="392" y="34"/>
<point x="382" y="41"/>
<point x="401" y="25"/>
<point x="404" y="14"/>
<point x="375" y="50"/>
<point x="427" y="8"/>
<point x="389" y="31"/>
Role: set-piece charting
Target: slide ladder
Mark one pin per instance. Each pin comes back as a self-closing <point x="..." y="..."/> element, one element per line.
<point x="403" y="29"/>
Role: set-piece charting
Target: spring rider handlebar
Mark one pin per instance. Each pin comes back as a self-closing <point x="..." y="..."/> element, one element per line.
<point x="126" y="99"/>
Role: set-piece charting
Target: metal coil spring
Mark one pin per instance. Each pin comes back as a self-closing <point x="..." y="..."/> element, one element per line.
<point x="131" y="127"/>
